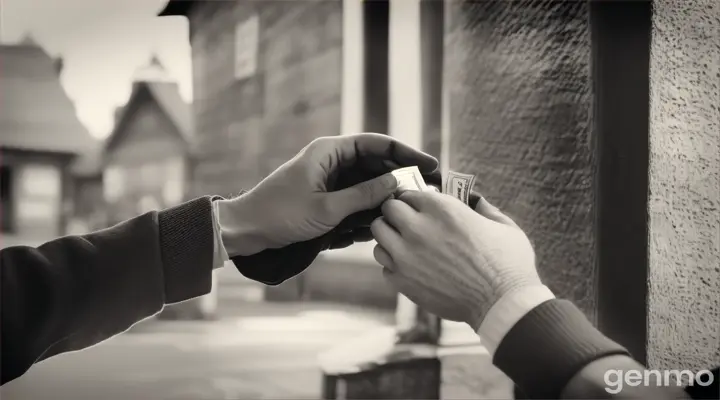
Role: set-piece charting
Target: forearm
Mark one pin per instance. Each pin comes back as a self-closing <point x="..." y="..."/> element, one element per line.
<point x="76" y="291"/>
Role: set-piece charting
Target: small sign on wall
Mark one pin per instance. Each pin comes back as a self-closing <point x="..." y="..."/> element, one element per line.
<point x="246" y="47"/>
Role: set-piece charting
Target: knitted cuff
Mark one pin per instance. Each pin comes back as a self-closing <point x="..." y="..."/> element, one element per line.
<point x="549" y="346"/>
<point x="186" y="242"/>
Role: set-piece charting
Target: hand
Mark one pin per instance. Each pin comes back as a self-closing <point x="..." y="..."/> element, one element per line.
<point x="322" y="198"/>
<point x="449" y="259"/>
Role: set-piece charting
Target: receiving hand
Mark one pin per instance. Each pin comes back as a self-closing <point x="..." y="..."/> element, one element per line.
<point x="450" y="259"/>
<point x="322" y="198"/>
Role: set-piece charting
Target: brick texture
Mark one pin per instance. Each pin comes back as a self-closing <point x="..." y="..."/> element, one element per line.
<point x="246" y="128"/>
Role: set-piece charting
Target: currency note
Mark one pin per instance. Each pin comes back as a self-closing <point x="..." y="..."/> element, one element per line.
<point x="409" y="178"/>
<point x="459" y="185"/>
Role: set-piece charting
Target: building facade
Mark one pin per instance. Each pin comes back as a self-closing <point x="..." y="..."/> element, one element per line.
<point x="40" y="140"/>
<point x="146" y="158"/>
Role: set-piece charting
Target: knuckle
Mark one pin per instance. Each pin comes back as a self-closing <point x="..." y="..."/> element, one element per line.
<point x="389" y="206"/>
<point x="324" y="206"/>
<point x="367" y="190"/>
<point x="318" y="146"/>
<point x="375" y="226"/>
<point x="414" y="230"/>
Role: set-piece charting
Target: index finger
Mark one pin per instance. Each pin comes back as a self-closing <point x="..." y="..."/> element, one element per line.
<point x="418" y="200"/>
<point x="375" y="145"/>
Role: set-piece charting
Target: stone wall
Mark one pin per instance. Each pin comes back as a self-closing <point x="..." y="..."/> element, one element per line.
<point x="248" y="127"/>
<point x="520" y="111"/>
<point x="520" y="101"/>
<point x="684" y="199"/>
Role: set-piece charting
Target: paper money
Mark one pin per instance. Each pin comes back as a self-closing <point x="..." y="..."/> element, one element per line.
<point x="459" y="186"/>
<point x="409" y="178"/>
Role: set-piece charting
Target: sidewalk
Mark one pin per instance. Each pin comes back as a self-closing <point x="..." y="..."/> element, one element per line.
<point x="255" y="351"/>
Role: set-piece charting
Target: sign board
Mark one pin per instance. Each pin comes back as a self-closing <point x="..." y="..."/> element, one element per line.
<point x="246" y="47"/>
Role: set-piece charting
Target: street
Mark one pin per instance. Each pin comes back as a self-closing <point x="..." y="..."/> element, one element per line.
<point x="256" y="350"/>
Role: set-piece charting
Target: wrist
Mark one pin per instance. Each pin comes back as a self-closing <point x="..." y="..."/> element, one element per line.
<point x="240" y="232"/>
<point x="510" y="308"/>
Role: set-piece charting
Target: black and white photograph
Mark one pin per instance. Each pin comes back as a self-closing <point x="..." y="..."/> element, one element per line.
<point x="359" y="199"/>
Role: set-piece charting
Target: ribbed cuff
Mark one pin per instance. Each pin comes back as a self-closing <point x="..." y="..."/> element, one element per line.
<point x="548" y="346"/>
<point x="186" y="242"/>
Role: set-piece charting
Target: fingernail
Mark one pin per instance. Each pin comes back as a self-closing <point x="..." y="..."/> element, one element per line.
<point x="389" y="182"/>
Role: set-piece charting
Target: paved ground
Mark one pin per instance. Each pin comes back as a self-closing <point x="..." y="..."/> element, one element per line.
<point x="256" y="351"/>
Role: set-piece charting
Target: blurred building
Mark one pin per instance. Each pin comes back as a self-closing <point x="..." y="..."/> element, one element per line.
<point x="268" y="78"/>
<point x="146" y="158"/>
<point x="40" y="140"/>
<point x="89" y="208"/>
<point x="266" y="81"/>
<point x="146" y="161"/>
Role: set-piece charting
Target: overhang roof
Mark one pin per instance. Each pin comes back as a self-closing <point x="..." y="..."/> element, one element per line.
<point x="36" y="113"/>
<point x="177" y="7"/>
<point x="167" y="96"/>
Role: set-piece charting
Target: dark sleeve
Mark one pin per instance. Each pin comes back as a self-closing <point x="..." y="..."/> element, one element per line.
<point x="76" y="291"/>
<point x="549" y="346"/>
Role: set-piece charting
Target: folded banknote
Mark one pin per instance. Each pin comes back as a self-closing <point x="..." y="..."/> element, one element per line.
<point x="409" y="178"/>
<point x="456" y="184"/>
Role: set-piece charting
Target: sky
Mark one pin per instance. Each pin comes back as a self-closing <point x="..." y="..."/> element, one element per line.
<point x="103" y="43"/>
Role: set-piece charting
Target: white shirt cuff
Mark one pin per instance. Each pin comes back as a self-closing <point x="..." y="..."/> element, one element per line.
<point x="220" y="255"/>
<point x="510" y="309"/>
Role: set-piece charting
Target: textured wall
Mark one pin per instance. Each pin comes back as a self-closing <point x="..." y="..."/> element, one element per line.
<point x="684" y="209"/>
<point x="519" y="116"/>
<point x="254" y="124"/>
<point x="520" y="111"/>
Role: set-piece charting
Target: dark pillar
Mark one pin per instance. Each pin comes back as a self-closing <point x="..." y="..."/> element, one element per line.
<point x="376" y="21"/>
<point x="621" y="77"/>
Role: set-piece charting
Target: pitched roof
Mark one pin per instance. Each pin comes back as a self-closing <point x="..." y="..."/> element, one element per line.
<point x="167" y="96"/>
<point x="36" y="113"/>
<point x="176" y="7"/>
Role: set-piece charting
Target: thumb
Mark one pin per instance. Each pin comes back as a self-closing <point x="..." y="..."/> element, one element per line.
<point x="364" y="196"/>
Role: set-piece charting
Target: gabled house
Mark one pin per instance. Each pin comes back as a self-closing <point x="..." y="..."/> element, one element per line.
<point x="146" y="158"/>
<point x="40" y="139"/>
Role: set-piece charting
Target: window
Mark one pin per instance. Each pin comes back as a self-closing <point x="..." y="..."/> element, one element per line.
<point x="246" y="47"/>
<point x="41" y="181"/>
<point x="37" y="209"/>
<point x="40" y="192"/>
<point x="114" y="183"/>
